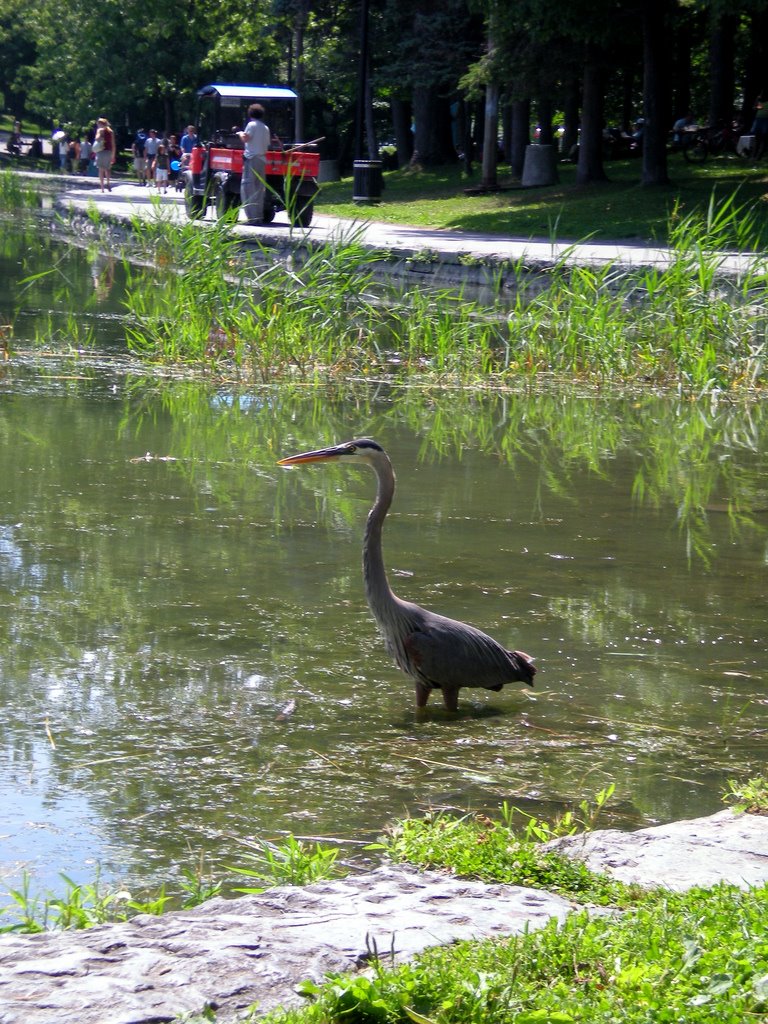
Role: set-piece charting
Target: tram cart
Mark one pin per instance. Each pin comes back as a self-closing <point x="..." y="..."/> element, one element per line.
<point x="216" y="165"/>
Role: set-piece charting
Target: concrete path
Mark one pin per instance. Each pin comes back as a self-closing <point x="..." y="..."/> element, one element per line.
<point x="401" y="241"/>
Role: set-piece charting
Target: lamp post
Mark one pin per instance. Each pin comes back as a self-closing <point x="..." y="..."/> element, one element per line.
<point x="362" y="81"/>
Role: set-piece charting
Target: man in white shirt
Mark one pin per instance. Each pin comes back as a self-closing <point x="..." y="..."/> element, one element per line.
<point x="256" y="138"/>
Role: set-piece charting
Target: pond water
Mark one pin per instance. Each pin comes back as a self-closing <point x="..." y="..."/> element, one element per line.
<point x="166" y="591"/>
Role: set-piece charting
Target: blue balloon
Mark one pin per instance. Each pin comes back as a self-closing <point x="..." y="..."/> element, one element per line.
<point x="175" y="165"/>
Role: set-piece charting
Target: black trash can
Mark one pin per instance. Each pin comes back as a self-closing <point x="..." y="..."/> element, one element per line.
<point x="367" y="183"/>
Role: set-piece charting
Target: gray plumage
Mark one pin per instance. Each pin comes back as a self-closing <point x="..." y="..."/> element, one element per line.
<point x="437" y="652"/>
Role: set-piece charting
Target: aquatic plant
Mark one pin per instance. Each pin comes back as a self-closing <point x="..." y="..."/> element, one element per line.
<point x="291" y="861"/>
<point x="14" y="192"/>
<point x="85" y="905"/>
<point x="313" y="316"/>
<point x="750" y="796"/>
<point x="303" y="316"/>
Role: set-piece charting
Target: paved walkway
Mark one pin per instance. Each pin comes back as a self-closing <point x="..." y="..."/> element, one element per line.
<point x="459" y="248"/>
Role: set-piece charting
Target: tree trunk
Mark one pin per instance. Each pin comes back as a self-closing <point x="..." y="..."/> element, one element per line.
<point x="656" y="16"/>
<point x="168" y="113"/>
<point x="570" y="119"/>
<point x="299" y="30"/>
<point x="722" y="50"/>
<point x="362" y="83"/>
<point x="681" y="69"/>
<point x="628" y="112"/>
<point x="505" y="114"/>
<point x="520" y="135"/>
<point x="544" y="110"/>
<point x="754" y="66"/>
<point x="464" y="134"/>
<point x="370" y="123"/>
<point x="590" y="166"/>
<point x="401" y="123"/>
<point x="490" y="137"/>
<point x="429" y="141"/>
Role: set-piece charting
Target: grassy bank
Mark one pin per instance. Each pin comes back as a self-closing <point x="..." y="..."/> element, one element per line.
<point x="699" y="956"/>
<point x="319" y="320"/>
<point x="620" y="209"/>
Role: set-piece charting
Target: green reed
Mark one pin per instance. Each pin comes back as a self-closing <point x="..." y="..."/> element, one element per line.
<point x="14" y="192"/>
<point x="313" y="316"/>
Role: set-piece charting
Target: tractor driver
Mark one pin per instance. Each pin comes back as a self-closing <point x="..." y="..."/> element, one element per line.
<point x="256" y="139"/>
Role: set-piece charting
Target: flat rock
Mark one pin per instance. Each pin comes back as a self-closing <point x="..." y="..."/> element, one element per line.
<point x="724" y="847"/>
<point x="229" y="954"/>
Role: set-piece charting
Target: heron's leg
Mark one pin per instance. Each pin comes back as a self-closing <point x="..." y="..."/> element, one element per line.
<point x="451" y="699"/>
<point x="422" y="695"/>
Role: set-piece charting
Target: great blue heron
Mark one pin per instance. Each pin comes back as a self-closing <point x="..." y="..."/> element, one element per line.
<point x="437" y="652"/>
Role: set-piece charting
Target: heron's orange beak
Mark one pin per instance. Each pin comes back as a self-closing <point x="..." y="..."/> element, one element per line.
<point x="320" y="455"/>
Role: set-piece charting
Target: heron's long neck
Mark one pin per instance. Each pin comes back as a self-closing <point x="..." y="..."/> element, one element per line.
<point x="377" y="588"/>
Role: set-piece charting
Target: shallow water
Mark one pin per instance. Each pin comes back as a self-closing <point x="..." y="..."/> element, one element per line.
<point x="166" y="592"/>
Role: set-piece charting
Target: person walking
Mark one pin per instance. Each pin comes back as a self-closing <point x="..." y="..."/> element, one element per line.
<point x="104" y="148"/>
<point x="160" y="168"/>
<point x="187" y="144"/>
<point x="175" y="157"/>
<point x="139" y="156"/>
<point x="760" y="126"/>
<point x="150" y="152"/>
<point x="86" y="146"/>
<point x="256" y="137"/>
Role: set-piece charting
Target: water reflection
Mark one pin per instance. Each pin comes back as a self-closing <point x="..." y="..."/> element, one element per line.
<point x="166" y="590"/>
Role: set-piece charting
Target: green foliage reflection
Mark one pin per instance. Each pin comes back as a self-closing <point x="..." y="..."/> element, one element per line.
<point x="696" y="460"/>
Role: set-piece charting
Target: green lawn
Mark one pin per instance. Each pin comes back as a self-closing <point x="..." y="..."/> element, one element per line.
<point x="621" y="209"/>
<point x="28" y="126"/>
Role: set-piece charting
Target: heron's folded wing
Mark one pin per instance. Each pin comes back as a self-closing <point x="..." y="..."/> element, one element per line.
<point x="450" y="653"/>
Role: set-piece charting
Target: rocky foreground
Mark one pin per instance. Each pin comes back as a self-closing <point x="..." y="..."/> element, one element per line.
<point x="230" y="954"/>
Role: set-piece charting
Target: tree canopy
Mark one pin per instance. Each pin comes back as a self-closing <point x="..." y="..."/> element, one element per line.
<point x="435" y="68"/>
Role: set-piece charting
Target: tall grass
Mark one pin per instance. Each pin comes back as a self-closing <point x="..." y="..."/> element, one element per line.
<point x="209" y="303"/>
<point x="688" y="325"/>
<point x="14" y="193"/>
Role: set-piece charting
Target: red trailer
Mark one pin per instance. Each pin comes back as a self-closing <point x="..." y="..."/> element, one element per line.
<point x="216" y="164"/>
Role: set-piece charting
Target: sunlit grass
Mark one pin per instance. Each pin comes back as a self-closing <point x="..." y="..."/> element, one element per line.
<point x="621" y="210"/>
<point x="697" y="957"/>
<point x="475" y="846"/>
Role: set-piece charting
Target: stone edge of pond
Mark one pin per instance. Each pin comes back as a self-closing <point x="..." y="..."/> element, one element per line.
<point x="229" y="954"/>
<point x="417" y="265"/>
<point x="407" y="255"/>
<point x="420" y="257"/>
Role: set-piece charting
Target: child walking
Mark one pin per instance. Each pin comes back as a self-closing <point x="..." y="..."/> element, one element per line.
<point x="160" y="167"/>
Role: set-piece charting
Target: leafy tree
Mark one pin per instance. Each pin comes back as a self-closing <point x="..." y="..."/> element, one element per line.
<point x="425" y="47"/>
<point x="17" y="52"/>
<point x="657" y="23"/>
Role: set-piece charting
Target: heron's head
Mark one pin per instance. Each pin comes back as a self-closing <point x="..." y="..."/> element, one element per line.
<point x="361" y="452"/>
